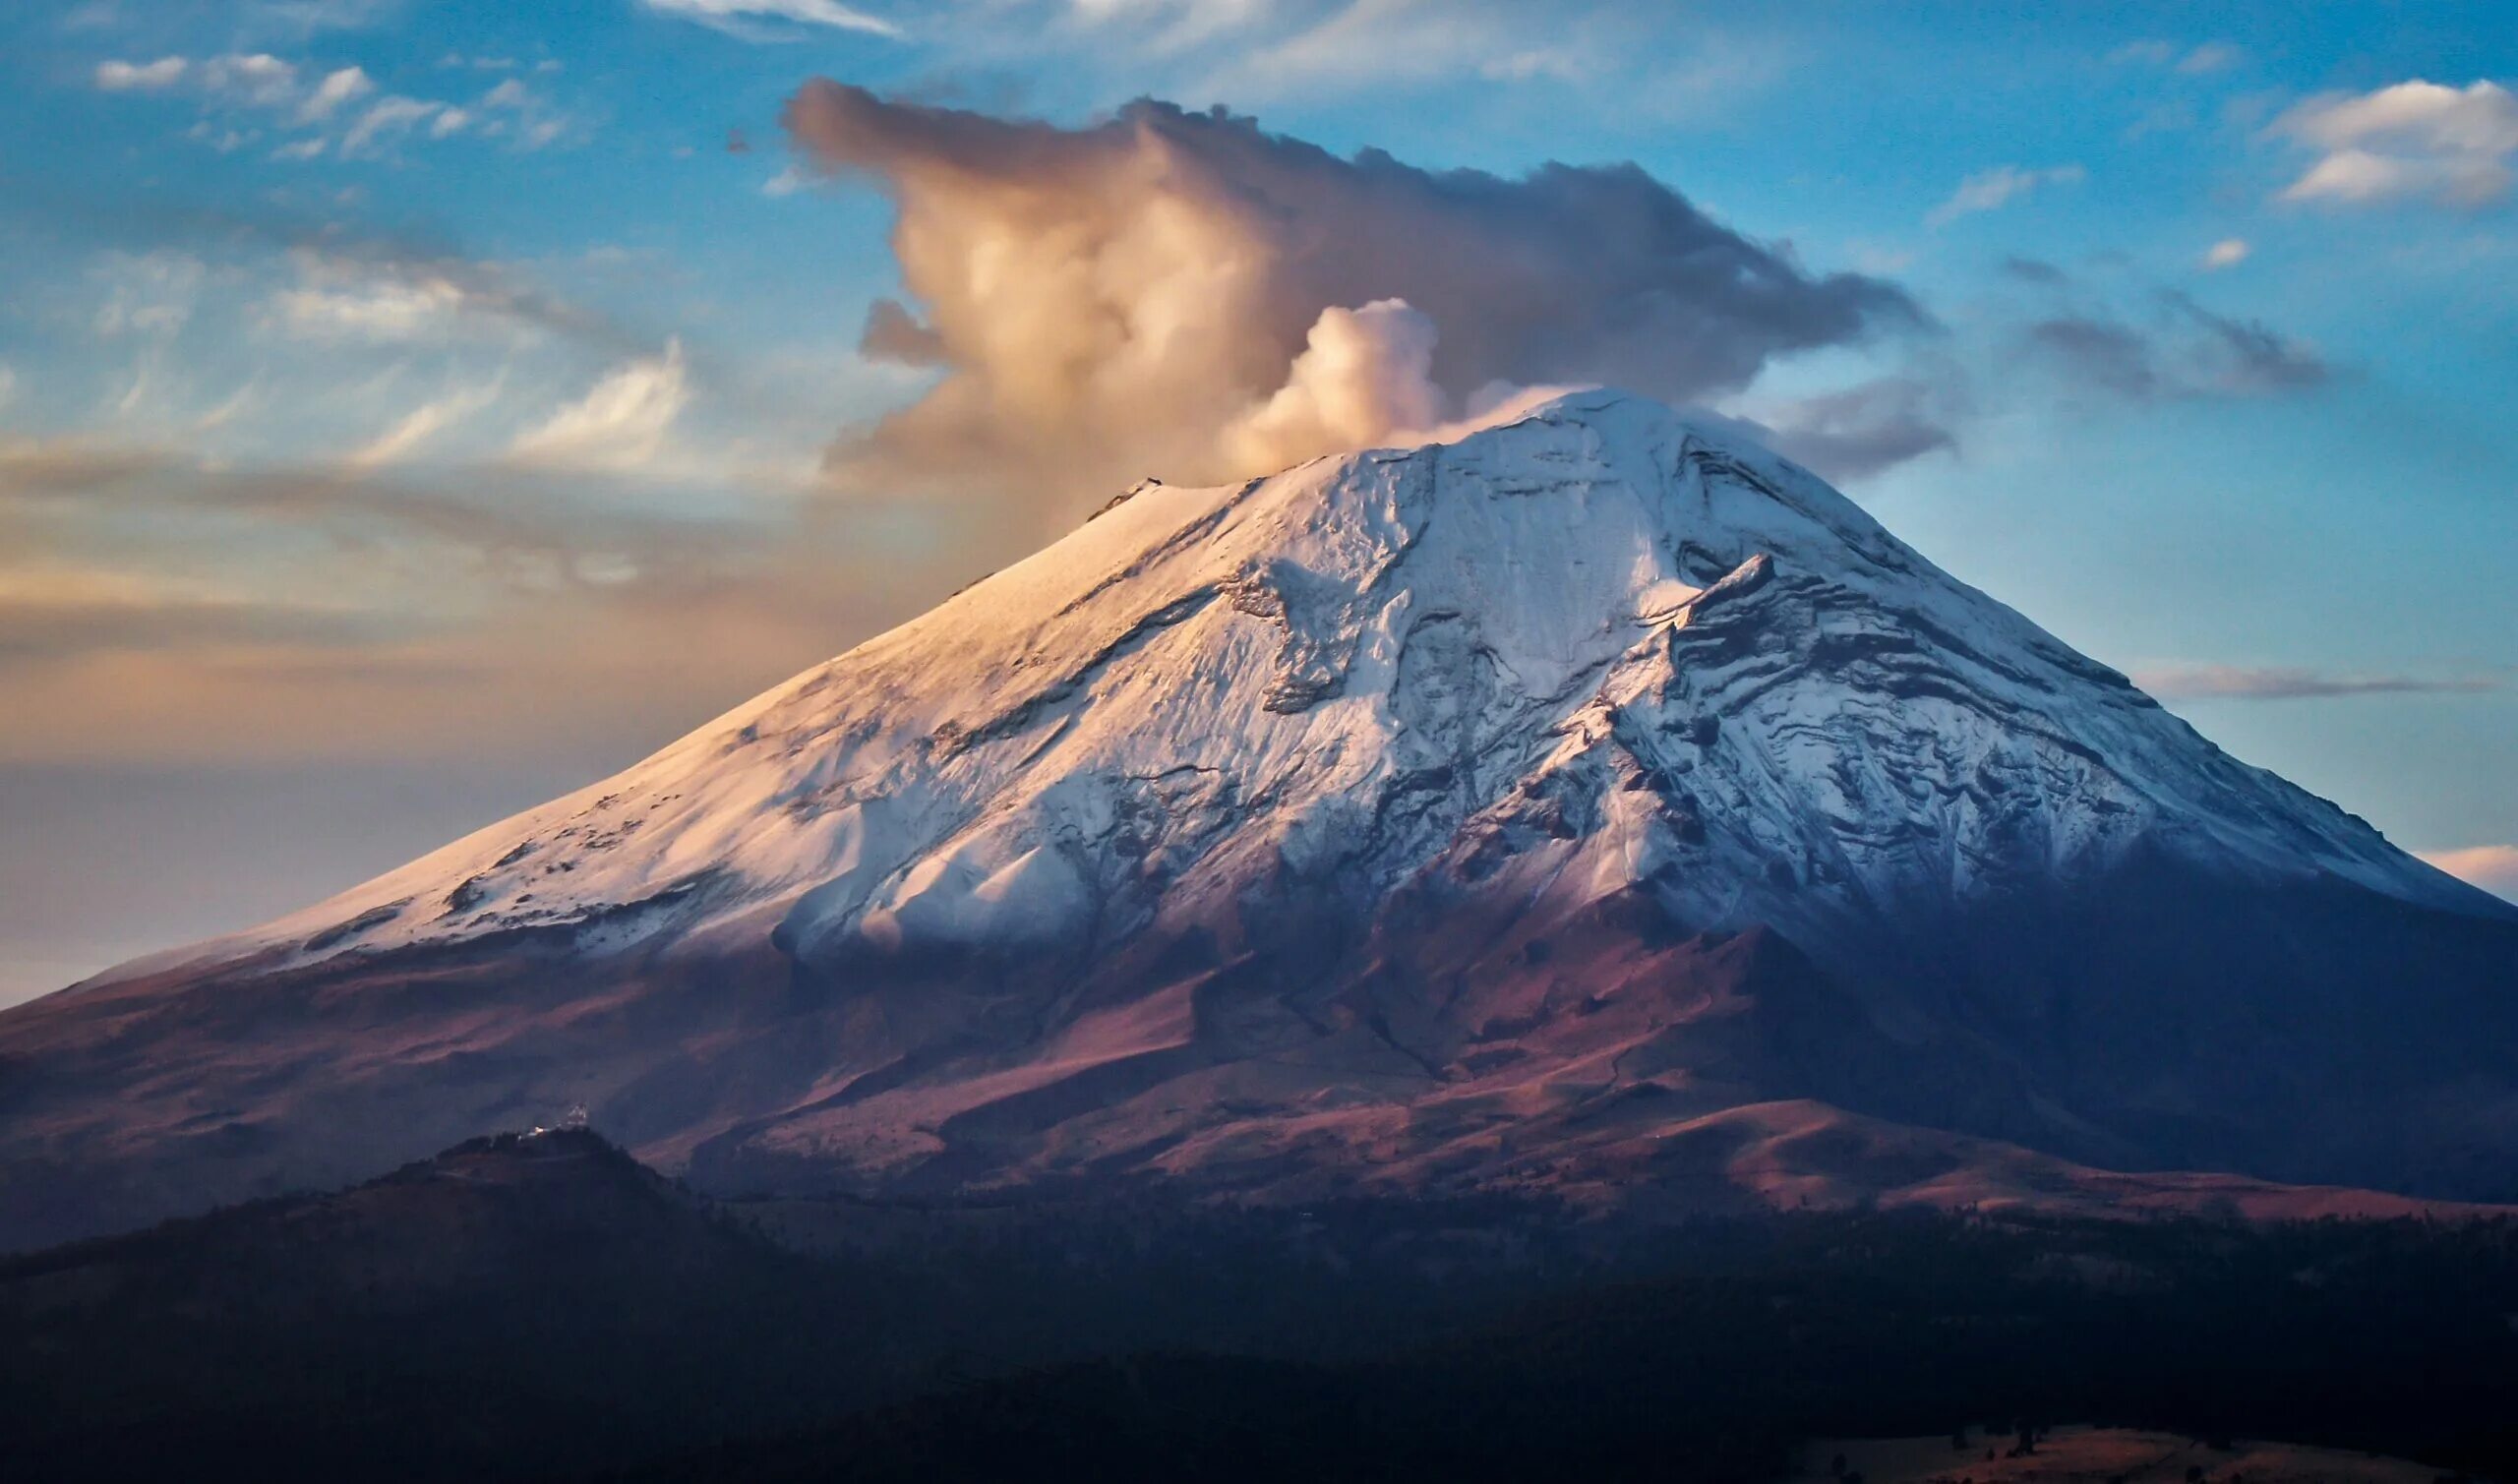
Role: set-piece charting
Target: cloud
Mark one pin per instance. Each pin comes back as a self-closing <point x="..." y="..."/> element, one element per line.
<point x="2229" y="251"/>
<point x="2493" y="867"/>
<point x="518" y="110"/>
<point x="728" y="15"/>
<point x="422" y="424"/>
<point x="276" y="85"/>
<point x="2244" y="357"/>
<point x="389" y="117"/>
<point x="2106" y="353"/>
<point x="1364" y="375"/>
<point x="67" y="466"/>
<point x="385" y="292"/>
<point x="2240" y="683"/>
<point x="2412" y="140"/>
<point x="147" y="294"/>
<point x="141" y="76"/>
<point x="2211" y="56"/>
<point x="1128" y="296"/>
<point x="619" y="424"/>
<point x="1864" y="430"/>
<point x="2186" y="351"/>
<point x="1992" y="189"/>
<point x="349" y="301"/>
<point x="1589" y="54"/>
<point x="258" y="78"/>
<point x="347" y="85"/>
<point x="47" y="614"/>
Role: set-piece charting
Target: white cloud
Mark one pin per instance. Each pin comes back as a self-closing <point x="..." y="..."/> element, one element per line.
<point x="422" y="424"/>
<point x="347" y="85"/>
<point x="388" y="118"/>
<point x="2412" y="140"/>
<point x="2493" y="867"/>
<point x="1171" y="26"/>
<point x="620" y="423"/>
<point x="346" y="301"/>
<point x="259" y="79"/>
<point x="147" y="293"/>
<point x="1991" y="190"/>
<point x="1364" y="376"/>
<point x="522" y="113"/>
<point x="726" y="14"/>
<point x="141" y="76"/>
<point x="2211" y="56"/>
<point x="274" y="85"/>
<point x="2229" y="251"/>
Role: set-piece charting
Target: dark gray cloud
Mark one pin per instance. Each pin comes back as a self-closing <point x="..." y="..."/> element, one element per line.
<point x="2186" y="351"/>
<point x="2105" y="353"/>
<point x="1863" y="429"/>
<point x="1123" y="297"/>
<point x="2246" y="356"/>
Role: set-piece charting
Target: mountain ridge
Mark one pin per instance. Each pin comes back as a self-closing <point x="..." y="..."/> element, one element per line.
<point x="1383" y="814"/>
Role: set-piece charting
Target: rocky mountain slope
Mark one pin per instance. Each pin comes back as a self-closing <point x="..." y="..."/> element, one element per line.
<point x="1471" y="816"/>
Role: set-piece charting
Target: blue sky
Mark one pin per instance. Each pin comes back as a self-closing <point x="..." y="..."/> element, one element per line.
<point x="409" y="409"/>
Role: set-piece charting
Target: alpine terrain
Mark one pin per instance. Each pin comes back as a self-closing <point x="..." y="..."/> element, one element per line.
<point x="1594" y="806"/>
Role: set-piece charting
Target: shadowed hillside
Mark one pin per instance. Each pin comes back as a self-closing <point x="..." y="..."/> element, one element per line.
<point x="544" y="1307"/>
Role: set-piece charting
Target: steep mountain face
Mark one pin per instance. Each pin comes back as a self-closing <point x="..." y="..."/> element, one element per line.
<point x="1422" y="818"/>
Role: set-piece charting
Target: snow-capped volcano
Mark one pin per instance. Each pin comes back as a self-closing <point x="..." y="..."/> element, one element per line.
<point x="1366" y="662"/>
<point x="1465" y="813"/>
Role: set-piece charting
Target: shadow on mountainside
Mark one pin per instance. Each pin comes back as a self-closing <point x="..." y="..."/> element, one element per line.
<point x="541" y="1306"/>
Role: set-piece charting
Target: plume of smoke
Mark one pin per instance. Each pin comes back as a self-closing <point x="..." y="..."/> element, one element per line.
<point x="1184" y="294"/>
<point x="1364" y="374"/>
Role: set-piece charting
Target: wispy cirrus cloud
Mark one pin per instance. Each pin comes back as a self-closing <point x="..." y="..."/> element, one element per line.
<point x="1992" y="189"/>
<point x="342" y="111"/>
<point x="2194" y="61"/>
<point x="740" y="16"/>
<point x="622" y="421"/>
<point x="419" y="426"/>
<point x="2184" y="681"/>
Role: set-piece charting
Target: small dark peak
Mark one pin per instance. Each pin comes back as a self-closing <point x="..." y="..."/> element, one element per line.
<point x="342" y="932"/>
<point x="1123" y="497"/>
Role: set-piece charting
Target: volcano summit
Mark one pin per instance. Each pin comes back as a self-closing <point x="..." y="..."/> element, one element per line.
<point x="1594" y="804"/>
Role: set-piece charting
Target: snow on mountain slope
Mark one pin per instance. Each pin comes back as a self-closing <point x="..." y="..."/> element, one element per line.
<point x="1490" y="814"/>
<point x="1357" y="659"/>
